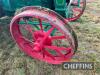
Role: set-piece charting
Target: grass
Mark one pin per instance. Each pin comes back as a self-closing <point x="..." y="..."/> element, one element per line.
<point x="15" y="62"/>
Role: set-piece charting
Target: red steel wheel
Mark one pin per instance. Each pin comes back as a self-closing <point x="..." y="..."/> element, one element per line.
<point x="78" y="7"/>
<point x="40" y="44"/>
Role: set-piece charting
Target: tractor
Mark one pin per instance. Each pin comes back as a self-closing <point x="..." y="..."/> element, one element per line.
<point x="41" y="29"/>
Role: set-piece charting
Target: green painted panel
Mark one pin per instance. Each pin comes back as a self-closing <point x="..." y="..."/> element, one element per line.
<point x="6" y="4"/>
<point x="60" y="2"/>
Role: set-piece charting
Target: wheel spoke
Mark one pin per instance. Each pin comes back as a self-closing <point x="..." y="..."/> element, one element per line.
<point x="41" y="27"/>
<point x="77" y="9"/>
<point x="81" y="2"/>
<point x="74" y="14"/>
<point x="47" y="34"/>
<point x="76" y="2"/>
<point x="57" y="37"/>
<point x="48" y="54"/>
<point x="58" y="49"/>
<point x="29" y="28"/>
<point x="50" y="30"/>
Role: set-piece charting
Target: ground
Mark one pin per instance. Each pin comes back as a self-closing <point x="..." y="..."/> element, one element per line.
<point x="15" y="62"/>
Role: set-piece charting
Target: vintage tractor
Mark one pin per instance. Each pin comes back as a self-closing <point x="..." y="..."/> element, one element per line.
<point x="69" y="9"/>
<point x="41" y="29"/>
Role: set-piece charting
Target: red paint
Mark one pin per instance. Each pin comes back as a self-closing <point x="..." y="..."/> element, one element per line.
<point x="77" y="10"/>
<point x="43" y="39"/>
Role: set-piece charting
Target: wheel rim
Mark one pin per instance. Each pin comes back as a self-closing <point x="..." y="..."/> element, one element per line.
<point x="42" y="44"/>
<point x="77" y="8"/>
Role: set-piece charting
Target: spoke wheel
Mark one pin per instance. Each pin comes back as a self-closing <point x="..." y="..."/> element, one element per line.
<point x="37" y="40"/>
<point x="76" y="9"/>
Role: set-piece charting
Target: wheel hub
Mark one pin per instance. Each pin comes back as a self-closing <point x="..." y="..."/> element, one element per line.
<point x="39" y="42"/>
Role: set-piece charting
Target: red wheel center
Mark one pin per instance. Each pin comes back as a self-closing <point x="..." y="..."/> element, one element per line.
<point x="40" y="42"/>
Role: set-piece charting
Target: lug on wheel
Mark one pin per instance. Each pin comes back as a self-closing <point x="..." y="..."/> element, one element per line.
<point x="76" y="9"/>
<point x="41" y="34"/>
